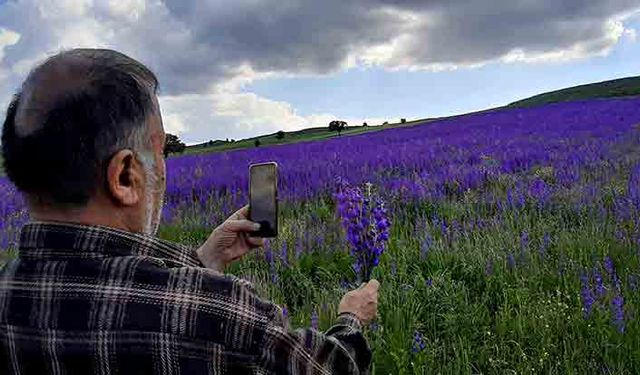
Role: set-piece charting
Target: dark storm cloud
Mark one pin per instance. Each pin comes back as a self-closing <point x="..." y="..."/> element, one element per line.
<point x="318" y="36"/>
<point x="195" y="44"/>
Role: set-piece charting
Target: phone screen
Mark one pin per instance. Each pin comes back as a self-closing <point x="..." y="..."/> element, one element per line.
<point x="263" y="205"/>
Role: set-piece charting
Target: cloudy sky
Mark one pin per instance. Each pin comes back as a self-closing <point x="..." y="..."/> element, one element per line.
<point x="239" y="68"/>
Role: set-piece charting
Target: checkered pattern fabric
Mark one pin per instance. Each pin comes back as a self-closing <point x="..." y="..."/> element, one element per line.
<point x="94" y="300"/>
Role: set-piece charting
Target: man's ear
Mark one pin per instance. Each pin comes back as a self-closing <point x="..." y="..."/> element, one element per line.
<point x="125" y="178"/>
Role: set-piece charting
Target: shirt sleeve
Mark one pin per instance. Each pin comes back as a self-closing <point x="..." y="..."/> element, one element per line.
<point x="343" y="349"/>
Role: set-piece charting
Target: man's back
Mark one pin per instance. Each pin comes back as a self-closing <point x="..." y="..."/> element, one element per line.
<point x="83" y="299"/>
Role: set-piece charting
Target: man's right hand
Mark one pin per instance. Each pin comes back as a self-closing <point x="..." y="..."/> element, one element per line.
<point x="363" y="302"/>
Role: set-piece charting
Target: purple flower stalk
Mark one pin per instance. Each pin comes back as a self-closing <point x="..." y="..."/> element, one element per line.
<point x="608" y="265"/>
<point x="511" y="261"/>
<point x="588" y="299"/>
<point x="418" y="342"/>
<point x="426" y="246"/>
<point x="617" y="309"/>
<point x="633" y="282"/>
<point x="524" y="240"/>
<point x="364" y="219"/>
<point x="314" y="320"/>
<point x="546" y="241"/>
<point x="373" y="326"/>
<point x="597" y="277"/>
<point x="284" y="254"/>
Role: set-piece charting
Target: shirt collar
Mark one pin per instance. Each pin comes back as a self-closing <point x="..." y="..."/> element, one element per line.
<point x="57" y="240"/>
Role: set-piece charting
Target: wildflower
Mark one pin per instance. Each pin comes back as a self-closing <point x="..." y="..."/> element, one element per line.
<point x="428" y="282"/>
<point x="611" y="271"/>
<point x="524" y="240"/>
<point x="373" y="326"/>
<point x="426" y="245"/>
<point x="597" y="277"/>
<point x="588" y="298"/>
<point x="546" y="240"/>
<point x="511" y="261"/>
<point x="633" y="282"/>
<point x="488" y="268"/>
<point x="418" y="342"/>
<point x="314" y="320"/>
<point x="617" y="309"/>
<point x="268" y="253"/>
<point x="298" y="247"/>
<point x="540" y="191"/>
<point x="285" y="312"/>
<point x="364" y="218"/>
<point x="274" y="273"/>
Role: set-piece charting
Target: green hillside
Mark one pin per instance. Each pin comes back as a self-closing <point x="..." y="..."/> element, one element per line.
<point x="310" y="134"/>
<point x="629" y="86"/>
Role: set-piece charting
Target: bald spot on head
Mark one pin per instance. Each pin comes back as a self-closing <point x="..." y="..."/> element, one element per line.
<point x="47" y="85"/>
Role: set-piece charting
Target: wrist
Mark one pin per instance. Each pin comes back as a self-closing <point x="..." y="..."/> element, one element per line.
<point x="350" y="319"/>
<point x="209" y="261"/>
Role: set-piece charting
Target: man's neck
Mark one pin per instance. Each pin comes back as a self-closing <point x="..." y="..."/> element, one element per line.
<point x="90" y="214"/>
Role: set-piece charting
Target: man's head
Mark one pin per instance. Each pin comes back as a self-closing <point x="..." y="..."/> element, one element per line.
<point x="83" y="140"/>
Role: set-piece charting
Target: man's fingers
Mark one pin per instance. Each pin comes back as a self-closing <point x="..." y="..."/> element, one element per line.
<point x="241" y="225"/>
<point x="241" y="214"/>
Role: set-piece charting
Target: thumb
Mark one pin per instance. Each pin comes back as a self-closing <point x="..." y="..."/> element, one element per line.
<point x="373" y="285"/>
<point x="240" y="226"/>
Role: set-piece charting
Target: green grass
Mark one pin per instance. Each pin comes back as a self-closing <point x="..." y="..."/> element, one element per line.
<point x="619" y="87"/>
<point x="522" y="320"/>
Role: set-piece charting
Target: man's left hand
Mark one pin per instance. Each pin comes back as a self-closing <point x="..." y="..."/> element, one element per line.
<point x="229" y="241"/>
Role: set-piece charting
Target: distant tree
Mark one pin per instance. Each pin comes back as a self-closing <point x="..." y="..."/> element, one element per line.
<point x="232" y="140"/>
<point x="403" y="120"/>
<point x="337" y="126"/>
<point x="280" y="135"/>
<point x="227" y="140"/>
<point x="173" y="145"/>
<point x="257" y="142"/>
<point x="365" y="124"/>
<point x="210" y="143"/>
<point x="385" y="123"/>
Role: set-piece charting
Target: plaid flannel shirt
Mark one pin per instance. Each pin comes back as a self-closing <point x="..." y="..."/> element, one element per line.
<point x="94" y="300"/>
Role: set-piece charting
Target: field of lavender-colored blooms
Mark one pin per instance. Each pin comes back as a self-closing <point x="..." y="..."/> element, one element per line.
<point x="513" y="244"/>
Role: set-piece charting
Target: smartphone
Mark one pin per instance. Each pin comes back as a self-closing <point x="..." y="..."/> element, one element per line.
<point x="263" y="198"/>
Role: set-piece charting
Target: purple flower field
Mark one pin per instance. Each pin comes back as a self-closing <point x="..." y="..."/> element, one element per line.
<point x="504" y="241"/>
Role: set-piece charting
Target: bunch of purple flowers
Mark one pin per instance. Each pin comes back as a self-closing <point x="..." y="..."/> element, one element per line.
<point x="364" y="219"/>
<point x="594" y="293"/>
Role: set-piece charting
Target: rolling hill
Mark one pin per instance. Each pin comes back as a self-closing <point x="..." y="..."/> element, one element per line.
<point x="629" y="86"/>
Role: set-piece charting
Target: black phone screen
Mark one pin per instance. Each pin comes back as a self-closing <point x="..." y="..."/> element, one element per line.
<point x="263" y="205"/>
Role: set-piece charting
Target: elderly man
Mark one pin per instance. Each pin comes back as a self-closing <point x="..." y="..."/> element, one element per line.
<point x="92" y="290"/>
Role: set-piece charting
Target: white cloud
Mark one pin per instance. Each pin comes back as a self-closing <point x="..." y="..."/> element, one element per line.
<point x="128" y="9"/>
<point x="237" y="115"/>
<point x="631" y="34"/>
<point x="7" y="38"/>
